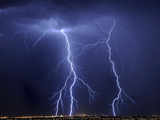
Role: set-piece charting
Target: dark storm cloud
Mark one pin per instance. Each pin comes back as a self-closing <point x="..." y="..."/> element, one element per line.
<point x="70" y="10"/>
<point x="34" y="13"/>
<point x="10" y="3"/>
<point x="74" y="11"/>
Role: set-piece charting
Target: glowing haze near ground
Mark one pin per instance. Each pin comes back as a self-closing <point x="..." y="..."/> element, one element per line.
<point x="64" y="58"/>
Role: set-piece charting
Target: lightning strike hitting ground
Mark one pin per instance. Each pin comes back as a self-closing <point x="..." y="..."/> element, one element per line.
<point x="72" y="72"/>
<point x="118" y="97"/>
<point x="72" y="76"/>
<point x="105" y="42"/>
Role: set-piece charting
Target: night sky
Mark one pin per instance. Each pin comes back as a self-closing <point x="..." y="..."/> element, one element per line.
<point x="29" y="75"/>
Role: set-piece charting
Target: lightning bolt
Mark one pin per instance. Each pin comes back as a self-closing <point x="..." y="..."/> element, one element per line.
<point x="72" y="76"/>
<point x="72" y="70"/>
<point x="118" y="98"/>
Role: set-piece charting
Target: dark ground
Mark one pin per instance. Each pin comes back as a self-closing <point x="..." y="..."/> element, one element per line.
<point x="82" y="117"/>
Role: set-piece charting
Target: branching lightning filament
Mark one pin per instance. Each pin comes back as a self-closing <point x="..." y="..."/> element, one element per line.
<point x="73" y="76"/>
<point x="106" y="42"/>
<point x="118" y="97"/>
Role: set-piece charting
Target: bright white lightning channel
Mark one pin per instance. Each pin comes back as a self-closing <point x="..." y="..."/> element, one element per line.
<point x="73" y="77"/>
<point x="72" y="70"/>
<point x="106" y="42"/>
<point x="118" y="97"/>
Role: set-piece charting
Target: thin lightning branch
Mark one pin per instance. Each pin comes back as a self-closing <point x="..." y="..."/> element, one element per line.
<point x="39" y="39"/>
<point x="105" y="42"/>
<point x="113" y="69"/>
<point x="91" y="45"/>
<point x="109" y="49"/>
<point x="61" y="93"/>
<point x="118" y="97"/>
<point x="90" y="90"/>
